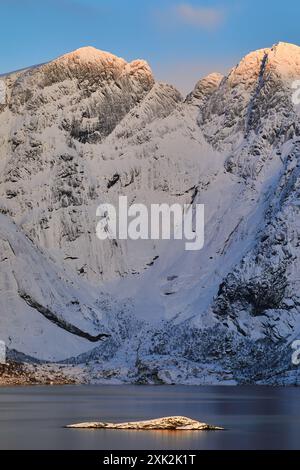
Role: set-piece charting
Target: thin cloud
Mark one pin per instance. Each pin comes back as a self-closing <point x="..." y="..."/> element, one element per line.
<point x="201" y="17"/>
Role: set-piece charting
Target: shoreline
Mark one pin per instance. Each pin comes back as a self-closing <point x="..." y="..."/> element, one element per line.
<point x="17" y="374"/>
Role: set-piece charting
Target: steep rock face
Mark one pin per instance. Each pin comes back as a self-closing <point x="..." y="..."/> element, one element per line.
<point x="55" y="159"/>
<point x="261" y="295"/>
<point x="93" y="90"/>
<point x="252" y="112"/>
<point x="45" y="311"/>
<point x="52" y="183"/>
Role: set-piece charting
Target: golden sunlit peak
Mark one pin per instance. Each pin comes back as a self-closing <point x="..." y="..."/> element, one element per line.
<point x="90" y="54"/>
<point x="284" y="44"/>
<point x="286" y="47"/>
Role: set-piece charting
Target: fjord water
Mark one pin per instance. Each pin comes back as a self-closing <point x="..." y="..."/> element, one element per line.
<point x="254" y="417"/>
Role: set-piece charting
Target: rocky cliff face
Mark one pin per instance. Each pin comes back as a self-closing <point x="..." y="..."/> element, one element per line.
<point x="89" y="127"/>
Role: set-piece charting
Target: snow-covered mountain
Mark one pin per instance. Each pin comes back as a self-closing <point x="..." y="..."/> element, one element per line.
<point x="88" y="127"/>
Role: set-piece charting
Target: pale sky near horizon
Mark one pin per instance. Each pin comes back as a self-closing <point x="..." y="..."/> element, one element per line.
<point x="181" y="40"/>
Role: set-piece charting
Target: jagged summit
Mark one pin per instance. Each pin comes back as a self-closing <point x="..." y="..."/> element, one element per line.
<point x="89" y="54"/>
<point x="99" y="68"/>
<point x="117" y="86"/>
<point x="204" y="88"/>
<point x="286" y="46"/>
<point x="283" y="58"/>
<point x="284" y="49"/>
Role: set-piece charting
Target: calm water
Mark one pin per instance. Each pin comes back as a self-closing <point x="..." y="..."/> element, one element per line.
<point x="255" y="418"/>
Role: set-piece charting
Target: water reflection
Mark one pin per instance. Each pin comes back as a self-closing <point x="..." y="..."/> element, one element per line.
<point x="254" y="417"/>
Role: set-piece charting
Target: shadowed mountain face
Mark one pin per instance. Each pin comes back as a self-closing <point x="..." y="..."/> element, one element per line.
<point x="88" y="127"/>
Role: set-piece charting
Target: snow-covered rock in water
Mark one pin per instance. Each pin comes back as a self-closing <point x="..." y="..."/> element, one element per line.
<point x="172" y="423"/>
<point x="88" y="127"/>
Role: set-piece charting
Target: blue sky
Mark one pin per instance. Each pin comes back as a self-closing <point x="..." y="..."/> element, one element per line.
<point x="182" y="40"/>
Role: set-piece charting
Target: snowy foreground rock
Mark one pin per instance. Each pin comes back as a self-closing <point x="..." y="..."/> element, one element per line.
<point x="172" y="423"/>
<point x="88" y="127"/>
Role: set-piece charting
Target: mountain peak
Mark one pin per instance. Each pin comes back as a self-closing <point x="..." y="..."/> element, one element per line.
<point x="285" y="59"/>
<point x="90" y="54"/>
<point x="285" y="46"/>
<point x="91" y="58"/>
<point x="282" y="58"/>
<point x="204" y="88"/>
<point x="282" y="48"/>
